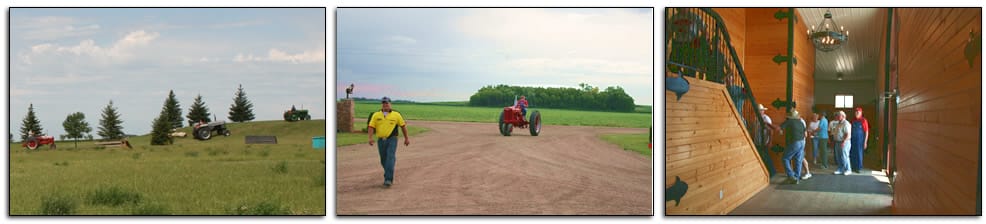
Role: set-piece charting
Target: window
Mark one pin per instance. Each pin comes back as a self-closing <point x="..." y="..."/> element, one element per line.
<point x="843" y="101"/>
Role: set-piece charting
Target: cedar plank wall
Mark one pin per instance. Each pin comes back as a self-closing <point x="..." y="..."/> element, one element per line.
<point x="709" y="149"/>
<point x="766" y="37"/>
<point x="735" y="20"/>
<point x="939" y="113"/>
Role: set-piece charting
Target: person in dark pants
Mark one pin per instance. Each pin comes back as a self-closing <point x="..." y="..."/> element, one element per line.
<point x="795" y="133"/>
<point x="860" y="136"/>
<point x="384" y="124"/>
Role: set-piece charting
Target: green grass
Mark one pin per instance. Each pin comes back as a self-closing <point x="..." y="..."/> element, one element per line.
<point x="633" y="142"/>
<point x="220" y="176"/>
<point x="439" y="112"/>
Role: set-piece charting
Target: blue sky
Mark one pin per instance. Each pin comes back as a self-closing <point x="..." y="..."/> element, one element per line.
<point x="447" y="54"/>
<point x="78" y="59"/>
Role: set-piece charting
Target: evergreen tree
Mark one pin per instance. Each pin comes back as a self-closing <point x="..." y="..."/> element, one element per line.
<point x="173" y="110"/>
<point x="198" y="112"/>
<point x="30" y="123"/>
<point x="110" y="126"/>
<point x="75" y="126"/>
<point x="160" y="130"/>
<point x="242" y="109"/>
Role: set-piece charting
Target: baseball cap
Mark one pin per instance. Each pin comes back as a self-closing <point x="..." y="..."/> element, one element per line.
<point x="385" y="100"/>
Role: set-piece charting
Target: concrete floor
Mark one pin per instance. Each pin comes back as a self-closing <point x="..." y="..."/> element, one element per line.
<point x="824" y="194"/>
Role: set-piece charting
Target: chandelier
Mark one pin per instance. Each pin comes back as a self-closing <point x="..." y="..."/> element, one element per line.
<point x="826" y="38"/>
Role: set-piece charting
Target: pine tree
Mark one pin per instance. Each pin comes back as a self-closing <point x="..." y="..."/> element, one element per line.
<point x="173" y="110"/>
<point x="110" y="126"/>
<point x="198" y="112"/>
<point x="160" y="130"/>
<point x="30" y="123"/>
<point x="75" y="126"/>
<point x="242" y="109"/>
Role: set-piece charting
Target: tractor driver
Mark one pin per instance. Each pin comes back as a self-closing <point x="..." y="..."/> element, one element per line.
<point x="523" y="105"/>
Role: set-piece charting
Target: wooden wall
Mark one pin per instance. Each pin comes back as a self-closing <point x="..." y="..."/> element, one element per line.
<point x="707" y="147"/>
<point x="939" y="113"/>
<point x="735" y="19"/>
<point x="766" y="37"/>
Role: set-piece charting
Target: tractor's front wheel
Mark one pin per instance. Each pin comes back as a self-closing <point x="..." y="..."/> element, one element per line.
<point x="226" y="132"/>
<point x="52" y="145"/>
<point x="535" y="124"/>
<point x="506" y="129"/>
<point x="308" y="117"/>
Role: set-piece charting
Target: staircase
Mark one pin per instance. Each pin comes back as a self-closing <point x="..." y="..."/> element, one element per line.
<point x="715" y="156"/>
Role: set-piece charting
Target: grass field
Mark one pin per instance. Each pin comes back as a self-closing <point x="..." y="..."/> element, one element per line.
<point x="221" y="176"/>
<point x="456" y="111"/>
<point x="633" y="142"/>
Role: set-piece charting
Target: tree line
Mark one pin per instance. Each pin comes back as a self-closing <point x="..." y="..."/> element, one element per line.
<point x="170" y="118"/>
<point x="586" y="97"/>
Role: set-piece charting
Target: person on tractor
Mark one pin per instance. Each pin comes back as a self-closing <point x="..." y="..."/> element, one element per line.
<point x="523" y="105"/>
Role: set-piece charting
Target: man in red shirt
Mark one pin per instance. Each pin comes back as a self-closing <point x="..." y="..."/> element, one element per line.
<point x="860" y="137"/>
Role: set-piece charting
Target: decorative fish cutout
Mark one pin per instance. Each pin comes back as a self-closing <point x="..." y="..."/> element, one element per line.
<point x="679" y="85"/>
<point x="676" y="191"/>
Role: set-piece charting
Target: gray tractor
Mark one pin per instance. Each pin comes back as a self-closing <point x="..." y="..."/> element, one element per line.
<point x="204" y="131"/>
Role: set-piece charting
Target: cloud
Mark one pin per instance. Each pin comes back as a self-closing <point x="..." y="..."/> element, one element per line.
<point x="121" y="50"/>
<point x="398" y="39"/>
<point x="238" y="24"/>
<point x="70" y="78"/>
<point x="52" y="28"/>
<point x="275" y="55"/>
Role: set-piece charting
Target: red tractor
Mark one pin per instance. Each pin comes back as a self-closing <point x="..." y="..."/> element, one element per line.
<point x="513" y="117"/>
<point x="33" y="142"/>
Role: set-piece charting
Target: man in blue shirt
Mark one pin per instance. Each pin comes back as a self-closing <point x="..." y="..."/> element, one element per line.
<point x="820" y="142"/>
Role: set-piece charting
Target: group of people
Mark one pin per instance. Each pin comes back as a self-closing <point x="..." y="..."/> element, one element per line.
<point x="848" y="138"/>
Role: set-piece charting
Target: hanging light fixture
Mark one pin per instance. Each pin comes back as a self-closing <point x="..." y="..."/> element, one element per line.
<point x="827" y="38"/>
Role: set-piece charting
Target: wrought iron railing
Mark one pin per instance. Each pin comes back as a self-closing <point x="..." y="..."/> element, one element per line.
<point x="698" y="45"/>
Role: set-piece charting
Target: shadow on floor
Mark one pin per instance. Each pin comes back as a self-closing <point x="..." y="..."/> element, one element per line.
<point x="860" y="184"/>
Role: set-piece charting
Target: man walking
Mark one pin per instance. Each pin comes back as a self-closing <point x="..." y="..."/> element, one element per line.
<point x="860" y="138"/>
<point x="384" y="124"/>
<point x="841" y="136"/>
<point x="794" y="134"/>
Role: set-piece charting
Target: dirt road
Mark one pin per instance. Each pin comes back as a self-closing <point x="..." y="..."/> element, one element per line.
<point x="460" y="168"/>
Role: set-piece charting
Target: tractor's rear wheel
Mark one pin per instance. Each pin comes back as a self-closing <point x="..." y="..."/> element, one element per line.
<point x="499" y="124"/>
<point x="32" y="144"/>
<point x="535" y="124"/>
<point x="204" y="133"/>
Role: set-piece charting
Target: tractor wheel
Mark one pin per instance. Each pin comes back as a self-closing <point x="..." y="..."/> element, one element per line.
<point x="32" y="144"/>
<point x="308" y="117"/>
<point x="226" y="132"/>
<point x="52" y="146"/>
<point x="204" y="133"/>
<point x="506" y="128"/>
<point x="535" y="124"/>
<point x="499" y="124"/>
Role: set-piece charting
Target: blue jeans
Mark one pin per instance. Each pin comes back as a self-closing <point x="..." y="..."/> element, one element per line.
<point x="795" y="151"/>
<point x="388" y="156"/>
<point x="842" y="156"/>
<point x="821" y="148"/>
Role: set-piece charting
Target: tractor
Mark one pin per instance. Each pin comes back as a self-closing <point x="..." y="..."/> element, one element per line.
<point x="204" y="131"/>
<point x="513" y="117"/>
<point x="296" y="115"/>
<point x="33" y="142"/>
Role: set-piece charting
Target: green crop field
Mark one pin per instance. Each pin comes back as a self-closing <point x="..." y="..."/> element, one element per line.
<point x="633" y="142"/>
<point x="456" y="111"/>
<point x="344" y="139"/>
<point x="221" y="176"/>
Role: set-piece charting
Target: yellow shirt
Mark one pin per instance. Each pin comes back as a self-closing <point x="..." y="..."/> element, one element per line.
<point x="384" y="125"/>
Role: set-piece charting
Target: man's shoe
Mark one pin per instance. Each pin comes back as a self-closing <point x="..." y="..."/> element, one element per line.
<point x="806" y="176"/>
<point x="847" y="173"/>
<point x="387" y="183"/>
<point x="837" y="172"/>
<point x="796" y="182"/>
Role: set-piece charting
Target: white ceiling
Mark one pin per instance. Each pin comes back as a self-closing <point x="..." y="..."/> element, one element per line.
<point x="859" y="57"/>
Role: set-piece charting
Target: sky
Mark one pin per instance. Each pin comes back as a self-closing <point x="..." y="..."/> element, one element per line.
<point x="447" y="54"/>
<point x="79" y="59"/>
